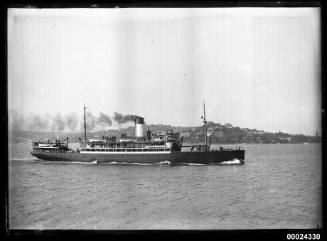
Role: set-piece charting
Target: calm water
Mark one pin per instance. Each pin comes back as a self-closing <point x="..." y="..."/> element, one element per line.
<point x="278" y="187"/>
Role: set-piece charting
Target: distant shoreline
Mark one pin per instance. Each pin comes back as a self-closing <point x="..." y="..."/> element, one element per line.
<point x="220" y="134"/>
<point x="225" y="144"/>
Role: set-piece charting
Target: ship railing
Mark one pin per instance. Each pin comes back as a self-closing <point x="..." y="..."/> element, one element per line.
<point x="147" y="146"/>
<point x="229" y="147"/>
<point x="203" y="148"/>
<point x="46" y="149"/>
<point x="125" y="149"/>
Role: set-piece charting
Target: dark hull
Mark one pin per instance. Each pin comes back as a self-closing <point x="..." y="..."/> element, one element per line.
<point x="174" y="158"/>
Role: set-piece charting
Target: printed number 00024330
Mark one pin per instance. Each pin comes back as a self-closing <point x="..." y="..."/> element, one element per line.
<point x="301" y="236"/>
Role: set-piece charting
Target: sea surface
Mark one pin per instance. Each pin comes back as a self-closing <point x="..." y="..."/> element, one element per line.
<point x="278" y="187"/>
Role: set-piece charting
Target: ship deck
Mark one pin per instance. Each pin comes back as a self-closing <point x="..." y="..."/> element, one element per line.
<point x="210" y="157"/>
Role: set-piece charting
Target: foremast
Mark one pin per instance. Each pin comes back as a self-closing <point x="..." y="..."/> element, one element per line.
<point x="206" y="146"/>
<point x="84" y="125"/>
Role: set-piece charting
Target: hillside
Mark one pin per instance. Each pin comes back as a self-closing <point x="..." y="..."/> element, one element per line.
<point x="220" y="134"/>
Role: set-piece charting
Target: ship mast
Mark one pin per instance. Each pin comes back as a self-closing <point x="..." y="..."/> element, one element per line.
<point x="205" y="123"/>
<point x="84" y="125"/>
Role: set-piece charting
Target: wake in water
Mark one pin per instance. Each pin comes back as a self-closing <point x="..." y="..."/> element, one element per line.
<point x="94" y="162"/>
<point x="137" y="163"/>
<point x="36" y="160"/>
<point x="232" y="162"/>
<point x="165" y="163"/>
<point x="193" y="164"/>
<point x="126" y="163"/>
<point x="31" y="159"/>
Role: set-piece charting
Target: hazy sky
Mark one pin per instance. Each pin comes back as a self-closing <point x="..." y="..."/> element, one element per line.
<point x="255" y="67"/>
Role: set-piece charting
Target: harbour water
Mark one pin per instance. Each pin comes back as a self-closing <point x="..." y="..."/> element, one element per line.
<point x="278" y="187"/>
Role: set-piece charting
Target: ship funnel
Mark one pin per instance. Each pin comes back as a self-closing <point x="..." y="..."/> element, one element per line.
<point x="139" y="122"/>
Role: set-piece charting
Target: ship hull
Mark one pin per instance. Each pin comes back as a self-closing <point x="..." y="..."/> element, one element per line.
<point x="213" y="157"/>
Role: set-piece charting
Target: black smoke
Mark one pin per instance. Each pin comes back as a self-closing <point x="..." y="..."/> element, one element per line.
<point x="37" y="123"/>
<point x="93" y="122"/>
<point x="121" y="119"/>
<point x="70" y="122"/>
<point x="16" y="122"/>
<point x="58" y="123"/>
<point x="90" y="121"/>
<point x="104" y="120"/>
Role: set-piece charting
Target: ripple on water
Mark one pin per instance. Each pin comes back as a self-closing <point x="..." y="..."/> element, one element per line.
<point x="273" y="189"/>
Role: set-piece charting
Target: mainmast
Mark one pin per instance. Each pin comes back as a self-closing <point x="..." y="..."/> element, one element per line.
<point x="205" y="123"/>
<point x="84" y="125"/>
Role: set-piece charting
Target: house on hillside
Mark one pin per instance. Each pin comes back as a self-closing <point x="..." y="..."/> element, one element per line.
<point x="218" y="134"/>
<point x="187" y="134"/>
<point x="198" y="133"/>
<point x="285" y="139"/>
<point x="211" y="128"/>
<point x="227" y="125"/>
<point x="255" y="132"/>
<point x="261" y="132"/>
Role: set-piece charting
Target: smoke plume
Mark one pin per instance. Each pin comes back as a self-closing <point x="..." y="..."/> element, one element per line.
<point x="16" y="122"/>
<point x="71" y="121"/>
<point x="91" y="121"/>
<point x="58" y="123"/>
<point x="104" y="120"/>
<point x="96" y="122"/>
<point x="121" y="119"/>
<point x="37" y="123"/>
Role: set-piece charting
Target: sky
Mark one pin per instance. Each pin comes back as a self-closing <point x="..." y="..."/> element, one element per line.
<point x="254" y="67"/>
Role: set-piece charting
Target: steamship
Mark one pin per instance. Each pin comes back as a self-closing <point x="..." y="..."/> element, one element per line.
<point x="151" y="148"/>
